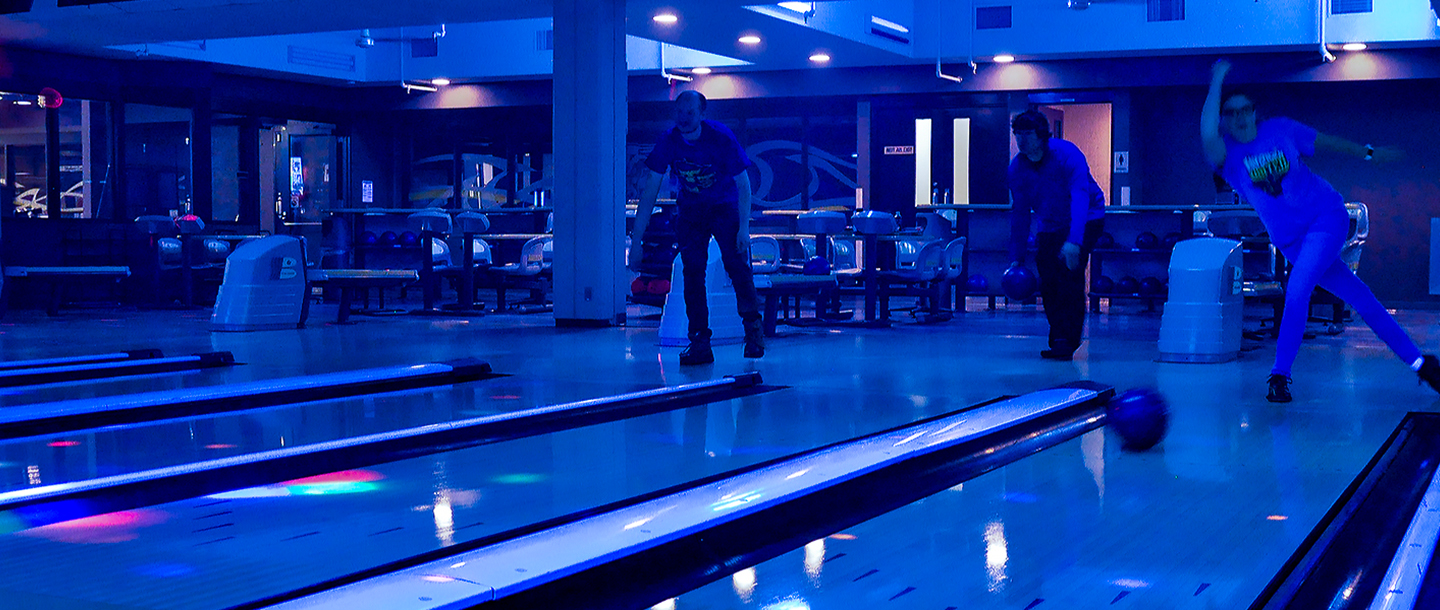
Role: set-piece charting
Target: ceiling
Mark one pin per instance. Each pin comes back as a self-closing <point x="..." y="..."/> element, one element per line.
<point x="500" y="39"/>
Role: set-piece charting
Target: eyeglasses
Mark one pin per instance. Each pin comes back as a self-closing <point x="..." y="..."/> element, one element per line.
<point x="1247" y="109"/>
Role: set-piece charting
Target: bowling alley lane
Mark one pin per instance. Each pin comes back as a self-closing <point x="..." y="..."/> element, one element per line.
<point x="236" y="547"/>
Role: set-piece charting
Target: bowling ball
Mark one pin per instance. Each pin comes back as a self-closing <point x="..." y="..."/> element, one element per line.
<point x="1019" y="283"/>
<point x="216" y="250"/>
<point x="1147" y="241"/>
<point x="1105" y="241"/>
<point x="51" y="98"/>
<point x="1152" y="286"/>
<point x="1127" y="285"/>
<point x="389" y="238"/>
<point x="977" y="284"/>
<point x="409" y="238"/>
<point x="817" y="265"/>
<point x="1104" y="284"/>
<point x="639" y="286"/>
<point x="1140" y="417"/>
<point x="659" y="286"/>
<point x="1169" y="241"/>
<point x="369" y="238"/>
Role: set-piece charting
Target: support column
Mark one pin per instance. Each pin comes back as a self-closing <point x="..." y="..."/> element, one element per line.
<point x="590" y="121"/>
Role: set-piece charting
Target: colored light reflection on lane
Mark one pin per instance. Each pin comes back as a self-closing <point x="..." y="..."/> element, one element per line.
<point x="519" y="478"/>
<point x="505" y="397"/>
<point x="220" y="446"/>
<point x="110" y="528"/>
<point x="64" y="443"/>
<point x="842" y="536"/>
<point x="334" y="483"/>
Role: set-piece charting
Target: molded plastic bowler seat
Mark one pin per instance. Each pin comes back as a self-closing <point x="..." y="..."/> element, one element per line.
<point x="820" y="223"/>
<point x="871" y="222"/>
<point x="764" y="254"/>
<point x="435" y="222"/>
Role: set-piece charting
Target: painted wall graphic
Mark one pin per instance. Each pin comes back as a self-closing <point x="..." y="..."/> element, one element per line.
<point x="779" y="178"/>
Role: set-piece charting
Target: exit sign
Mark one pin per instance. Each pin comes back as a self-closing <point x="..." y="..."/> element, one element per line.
<point x="899" y="150"/>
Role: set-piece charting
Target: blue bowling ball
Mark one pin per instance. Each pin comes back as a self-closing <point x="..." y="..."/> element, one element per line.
<point x="389" y="238"/>
<point x="409" y="238"/>
<point x="1105" y="241"/>
<point x="1168" y="242"/>
<point x="1127" y="285"/>
<point x="1152" y="286"/>
<point x="1140" y="417"/>
<point x="977" y="284"/>
<point x="1104" y="284"/>
<point x="1147" y="241"/>
<point x="369" y="238"/>
<point x="1019" y="283"/>
<point x="817" y="265"/>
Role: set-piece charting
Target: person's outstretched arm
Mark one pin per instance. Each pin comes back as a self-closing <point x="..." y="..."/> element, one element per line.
<point x="1210" y="116"/>
<point x="1336" y="144"/>
<point x="642" y="218"/>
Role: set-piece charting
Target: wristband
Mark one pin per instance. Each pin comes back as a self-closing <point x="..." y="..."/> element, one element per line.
<point x="1369" y="152"/>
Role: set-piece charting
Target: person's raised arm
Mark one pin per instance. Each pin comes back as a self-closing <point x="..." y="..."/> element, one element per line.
<point x="1336" y="144"/>
<point x="1210" y="116"/>
<point x="642" y="217"/>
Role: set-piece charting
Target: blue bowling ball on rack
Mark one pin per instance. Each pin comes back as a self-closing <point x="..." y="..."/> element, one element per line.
<point x="817" y="265"/>
<point x="1140" y="417"/>
<point x="1104" y="285"/>
<point x="1147" y="241"/>
<point x="1127" y="285"/>
<point x="369" y="238"/>
<point x="389" y="238"/>
<point x="977" y="284"/>
<point x="1019" y="283"/>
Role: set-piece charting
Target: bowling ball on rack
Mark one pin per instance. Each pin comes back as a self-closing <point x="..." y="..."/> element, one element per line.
<point x="977" y="284"/>
<point x="659" y="286"/>
<point x="389" y="238"/>
<point x="639" y="285"/>
<point x="1140" y="417"/>
<point x="1168" y="242"/>
<point x="1019" y="283"/>
<point x="1104" y="284"/>
<point x="1152" y="286"/>
<point x="1127" y="285"/>
<point x="1147" y="241"/>
<point x="817" y="265"/>
<point x="409" y="238"/>
<point x="369" y="238"/>
<point x="1105" y="241"/>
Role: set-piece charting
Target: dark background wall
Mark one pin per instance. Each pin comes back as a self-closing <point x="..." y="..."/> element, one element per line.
<point x="1402" y="196"/>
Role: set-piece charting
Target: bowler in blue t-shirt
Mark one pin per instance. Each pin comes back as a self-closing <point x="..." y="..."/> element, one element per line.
<point x="714" y="200"/>
<point x="1304" y="215"/>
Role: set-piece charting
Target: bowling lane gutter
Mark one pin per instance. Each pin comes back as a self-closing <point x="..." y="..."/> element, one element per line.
<point x="634" y="553"/>
<point x="122" y="368"/>
<point x="141" y="354"/>
<point x="91" y="413"/>
<point x="39" y="506"/>
<point x="1373" y="547"/>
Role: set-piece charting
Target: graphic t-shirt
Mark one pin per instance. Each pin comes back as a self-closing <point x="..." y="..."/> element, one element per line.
<point x="1271" y="177"/>
<point x="706" y="168"/>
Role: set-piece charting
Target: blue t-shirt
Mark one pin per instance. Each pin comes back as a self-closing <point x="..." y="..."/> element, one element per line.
<point x="706" y="167"/>
<point x="1270" y="176"/>
<point x="1057" y="189"/>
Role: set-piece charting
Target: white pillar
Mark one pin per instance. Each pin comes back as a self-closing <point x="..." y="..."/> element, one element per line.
<point x="590" y="122"/>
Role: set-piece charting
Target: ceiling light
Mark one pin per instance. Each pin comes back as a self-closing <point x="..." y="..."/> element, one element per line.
<point x="799" y="7"/>
<point x="440" y="82"/>
<point x="1004" y="59"/>
<point x="1353" y="46"/>
<point x="666" y="18"/>
<point x="820" y="58"/>
<point x="23" y="102"/>
<point x="702" y="71"/>
<point x="750" y="39"/>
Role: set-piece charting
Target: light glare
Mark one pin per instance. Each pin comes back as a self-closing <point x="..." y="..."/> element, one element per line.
<point x="1004" y="59"/>
<point x="750" y="39"/>
<point x="666" y="18"/>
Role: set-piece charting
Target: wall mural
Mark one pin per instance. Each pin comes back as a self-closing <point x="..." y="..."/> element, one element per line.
<point x="776" y="177"/>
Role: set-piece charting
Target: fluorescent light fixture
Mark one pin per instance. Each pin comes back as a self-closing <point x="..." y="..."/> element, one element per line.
<point x="440" y="82"/>
<point x="799" y="7"/>
<point x="1353" y="46"/>
<point x="702" y="71"/>
<point x="750" y="39"/>
<point x="886" y="23"/>
<point x="1004" y="59"/>
<point x="666" y="18"/>
<point x="412" y="87"/>
<point x="820" y="58"/>
<point x="23" y="102"/>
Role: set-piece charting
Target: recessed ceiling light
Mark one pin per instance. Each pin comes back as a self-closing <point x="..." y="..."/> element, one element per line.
<point x="1004" y="59"/>
<point x="750" y="39"/>
<point x="666" y="18"/>
<point x="23" y="102"/>
<point x="1353" y="46"/>
<point x="702" y="71"/>
<point x="820" y="58"/>
<point x="799" y="7"/>
<point x="440" y="82"/>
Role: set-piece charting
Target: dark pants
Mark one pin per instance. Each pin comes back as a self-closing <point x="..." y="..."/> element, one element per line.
<point x="695" y="224"/>
<point x="1063" y="289"/>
